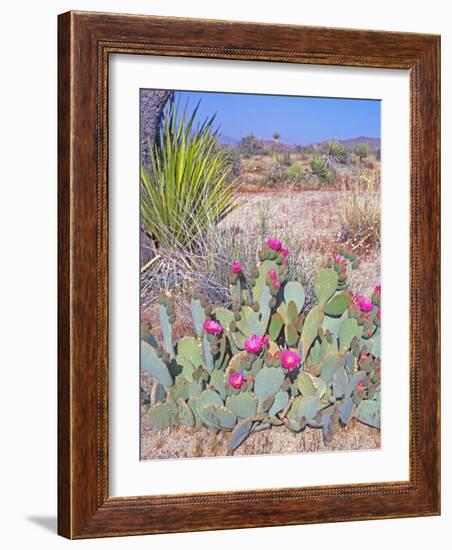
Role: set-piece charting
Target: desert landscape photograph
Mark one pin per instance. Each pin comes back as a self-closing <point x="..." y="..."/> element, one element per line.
<point x="259" y="274"/>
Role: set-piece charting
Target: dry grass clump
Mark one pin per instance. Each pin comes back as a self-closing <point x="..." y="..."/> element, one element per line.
<point x="360" y="212"/>
<point x="205" y="267"/>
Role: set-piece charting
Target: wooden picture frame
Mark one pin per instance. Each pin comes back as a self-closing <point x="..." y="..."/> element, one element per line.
<point x="85" y="42"/>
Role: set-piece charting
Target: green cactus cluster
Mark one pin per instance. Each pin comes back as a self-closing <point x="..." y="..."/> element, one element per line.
<point x="265" y="361"/>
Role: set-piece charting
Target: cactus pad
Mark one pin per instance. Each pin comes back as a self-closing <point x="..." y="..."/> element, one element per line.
<point x="218" y="417"/>
<point x="346" y="411"/>
<point x="243" y="405"/>
<point x="311" y="326"/>
<point x="153" y="365"/>
<point x="162" y="416"/>
<point x="167" y="329"/>
<point x="224" y="317"/>
<point x="368" y="412"/>
<point x="240" y="433"/>
<point x="268" y="382"/>
<point x="294" y="291"/>
<point x="305" y="384"/>
<point x="348" y="329"/>
<point x="306" y="407"/>
<point x="199" y="316"/>
<point x="325" y="285"/>
<point x="276" y="324"/>
<point x="338" y="304"/>
<point x="280" y="403"/>
<point x="184" y="414"/>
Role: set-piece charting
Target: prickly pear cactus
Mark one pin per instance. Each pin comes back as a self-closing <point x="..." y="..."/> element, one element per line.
<point x="268" y="361"/>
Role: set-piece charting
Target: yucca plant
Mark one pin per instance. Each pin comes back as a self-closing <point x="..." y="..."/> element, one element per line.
<point x="190" y="183"/>
<point x="361" y="150"/>
<point x="320" y="169"/>
<point x="335" y="154"/>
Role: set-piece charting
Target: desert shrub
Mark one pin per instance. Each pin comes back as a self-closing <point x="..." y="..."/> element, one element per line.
<point x="234" y="158"/>
<point x="283" y="158"/>
<point x="190" y="184"/>
<point x="285" y="172"/>
<point x="360" y="212"/>
<point x="251" y="146"/>
<point x="320" y="169"/>
<point x="262" y="362"/>
<point x="294" y="173"/>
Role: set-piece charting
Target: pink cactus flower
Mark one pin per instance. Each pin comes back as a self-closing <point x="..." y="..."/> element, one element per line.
<point x="212" y="327"/>
<point x="290" y="360"/>
<point x="360" y="385"/>
<point x="274" y="244"/>
<point x="363" y="356"/>
<point x="379" y="313"/>
<point x="336" y="257"/>
<point x="236" y="267"/>
<point x="377" y="290"/>
<point x="364" y="303"/>
<point x="285" y="252"/>
<point x="273" y="275"/>
<point x="236" y="380"/>
<point x="255" y="343"/>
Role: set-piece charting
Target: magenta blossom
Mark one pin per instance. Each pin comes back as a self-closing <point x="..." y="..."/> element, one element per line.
<point x="377" y="290"/>
<point x="236" y="380"/>
<point x="290" y="360"/>
<point x="285" y="252"/>
<point x="273" y="276"/>
<point x="364" y="303"/>
<point x="336" y="257"/>
<point x="255" y="343"/>
<point x="274" y="244"/>
<point x="236" y="267"/>
<point x="212" y="327"/>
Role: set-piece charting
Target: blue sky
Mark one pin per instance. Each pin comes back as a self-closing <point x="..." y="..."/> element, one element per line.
<point x="299" y="120"/>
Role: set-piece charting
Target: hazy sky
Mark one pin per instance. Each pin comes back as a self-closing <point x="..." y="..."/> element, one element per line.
<point x="300" y="120"/>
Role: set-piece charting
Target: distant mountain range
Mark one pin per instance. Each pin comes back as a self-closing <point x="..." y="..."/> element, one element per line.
<point x="350" y="143"/>
<point x="371" y="142"/>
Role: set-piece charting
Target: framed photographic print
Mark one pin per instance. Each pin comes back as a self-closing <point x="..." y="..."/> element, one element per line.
<point x="248" y="275"/>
